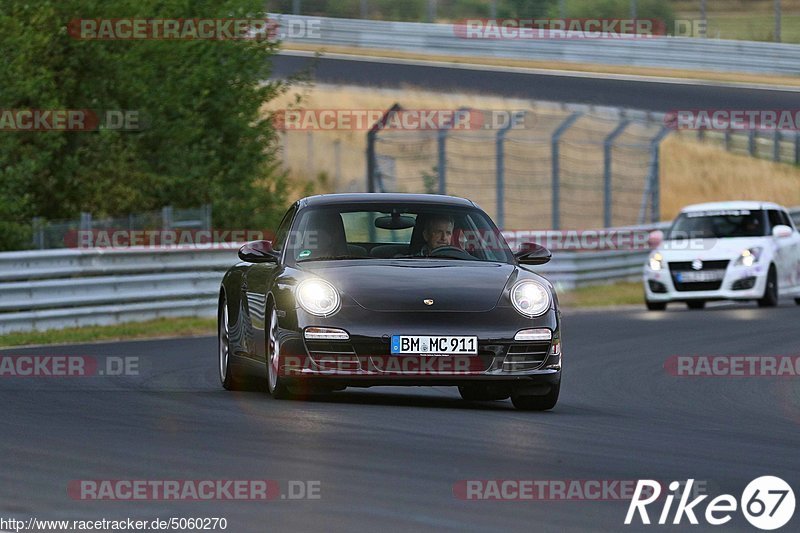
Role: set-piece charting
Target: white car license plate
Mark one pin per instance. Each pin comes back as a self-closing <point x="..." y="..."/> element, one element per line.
<point x="432" y="345"/>
<point x="705" y="275"/>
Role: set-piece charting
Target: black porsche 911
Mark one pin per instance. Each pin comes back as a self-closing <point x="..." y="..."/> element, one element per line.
<point x="359" y="290"/>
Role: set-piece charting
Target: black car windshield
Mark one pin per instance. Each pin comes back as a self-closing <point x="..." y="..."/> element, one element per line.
<point x="718" y="224"/>
<point x="387" y="232"/>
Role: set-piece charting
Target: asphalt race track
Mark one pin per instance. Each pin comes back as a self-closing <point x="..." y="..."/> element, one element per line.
<point x="388" y="458"/>
<point x="592" y="89"/>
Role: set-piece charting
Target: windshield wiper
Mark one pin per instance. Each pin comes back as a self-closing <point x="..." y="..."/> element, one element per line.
<point x="333" y="258"/>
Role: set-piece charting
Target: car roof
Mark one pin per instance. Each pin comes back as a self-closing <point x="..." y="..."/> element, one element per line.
<point x="382" y="197"/>
<point x="709" y="206"/>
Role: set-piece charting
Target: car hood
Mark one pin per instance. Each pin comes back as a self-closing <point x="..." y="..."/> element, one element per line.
<point x="709" y="249"/>
<point x="404" y="285"/>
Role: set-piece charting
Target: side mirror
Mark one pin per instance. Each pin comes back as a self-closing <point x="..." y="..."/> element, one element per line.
<point x="655" y="238"/>
<point x="258" y="252"/>
<point x="531" y="253"/>
<point x="781" y="231"/>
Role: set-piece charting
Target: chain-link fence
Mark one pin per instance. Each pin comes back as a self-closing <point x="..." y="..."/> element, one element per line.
<point x="65" y="233"/>
<point x="554" y="168"/>
<point x="777" y="145"/>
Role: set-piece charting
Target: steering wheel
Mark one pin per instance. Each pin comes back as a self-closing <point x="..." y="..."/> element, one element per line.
<point x="450" y="251"/>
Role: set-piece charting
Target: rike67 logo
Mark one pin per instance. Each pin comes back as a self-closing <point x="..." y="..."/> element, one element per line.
<point x="767" y="503"/>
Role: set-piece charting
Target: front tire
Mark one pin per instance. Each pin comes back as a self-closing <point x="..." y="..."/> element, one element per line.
<point x="696" y="304"/>
<point x="527" y="402"/>
<point x="227" y="373"/>
<point x="275" y="384"/>
<point x="655" y="306"/>
<point x="797" y="301"/>
<point x="770" y="298"/>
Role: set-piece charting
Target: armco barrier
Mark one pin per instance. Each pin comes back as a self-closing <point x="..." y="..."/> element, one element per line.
<point x="54" y="289"/>
<point x="657" y="52"/>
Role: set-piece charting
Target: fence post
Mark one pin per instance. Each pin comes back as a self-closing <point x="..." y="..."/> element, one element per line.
<point x="337" y="161"/>
<point x="286" y="150"/>
<point x="309" y="155"/>
<point x="728" y="139"/>
<point x="556" y="193"/>
<point x="608" y="145"/>
<point x="653" y="184"/>
<point x="372" y="135"/>
<point x="500" y="169"/>
<point x="38" y="233"/>
<point x="751" y="142"/>
<point x="86" y="221"/>
<point x="441" y="166"/>
<point x="776" y="145"/>
<point x="166" y="217"/>
<point x="797" y="147"/>
<point x="207" y="216"/>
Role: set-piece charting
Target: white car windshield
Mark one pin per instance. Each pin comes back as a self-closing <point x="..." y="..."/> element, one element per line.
<point x="719" y="224"/>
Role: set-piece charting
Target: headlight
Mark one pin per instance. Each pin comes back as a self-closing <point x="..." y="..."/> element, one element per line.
<point x="318" y="297"/>
<point x="749" y="257"/>
<point x="656" y="261"/>
<point x="530" y="298"/>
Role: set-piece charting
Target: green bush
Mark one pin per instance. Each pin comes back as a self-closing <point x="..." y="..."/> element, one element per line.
<point x="645" y="9"/>
<point x="204" y="140"/>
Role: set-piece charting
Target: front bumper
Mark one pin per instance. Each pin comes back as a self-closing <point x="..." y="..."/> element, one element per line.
<point x="733" y="275"/>
<point x="365" y="358"/>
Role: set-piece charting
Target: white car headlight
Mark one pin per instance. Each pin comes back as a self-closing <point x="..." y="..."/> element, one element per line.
<point x="749" y="257"/>
<point x="530" y="298"/>
<point x="656" y="261"/>
<point x="318" y="297"/>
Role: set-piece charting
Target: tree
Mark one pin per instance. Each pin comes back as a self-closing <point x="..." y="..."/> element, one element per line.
<point x="203" y="140"/>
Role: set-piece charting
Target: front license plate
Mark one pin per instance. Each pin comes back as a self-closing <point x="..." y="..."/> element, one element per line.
<point x="430" y="345"/>
<point x="706" y="275"/>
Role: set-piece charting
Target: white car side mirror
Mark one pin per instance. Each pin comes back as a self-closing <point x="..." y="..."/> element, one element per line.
<point x="780" y="231"/>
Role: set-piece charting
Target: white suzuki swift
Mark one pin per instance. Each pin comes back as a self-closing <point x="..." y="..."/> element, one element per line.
<point x="724" y="251"/>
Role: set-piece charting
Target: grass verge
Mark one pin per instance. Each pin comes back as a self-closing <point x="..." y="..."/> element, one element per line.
<point x="164" y="327"/>
<point x="623" y="293"/>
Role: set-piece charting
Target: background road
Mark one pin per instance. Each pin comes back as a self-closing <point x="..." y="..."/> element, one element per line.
<point x="591" y="89"/>
<point x="388" y="458"/>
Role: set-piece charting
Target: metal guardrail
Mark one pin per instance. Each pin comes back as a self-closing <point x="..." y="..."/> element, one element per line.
<point x="54" y="289"/>
<point x="658" y="52"/>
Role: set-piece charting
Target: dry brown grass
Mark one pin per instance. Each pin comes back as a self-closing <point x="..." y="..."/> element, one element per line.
<point x="691" y="172"/>
<point x="694" y="172"/>
<point x="728" y="6"/>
